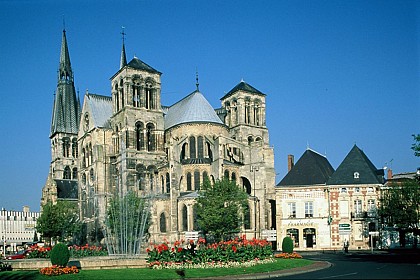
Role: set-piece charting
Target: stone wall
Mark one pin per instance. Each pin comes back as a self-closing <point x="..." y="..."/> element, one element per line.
<point x="89" y="263"/>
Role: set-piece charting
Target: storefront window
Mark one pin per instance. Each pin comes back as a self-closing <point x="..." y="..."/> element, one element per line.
<point x="294" y="234"/>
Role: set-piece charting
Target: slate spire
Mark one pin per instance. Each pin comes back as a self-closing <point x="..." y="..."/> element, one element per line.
<point x="65" y="116"/>
<point x="123" y="60"/>
<point x="65" y="71"/>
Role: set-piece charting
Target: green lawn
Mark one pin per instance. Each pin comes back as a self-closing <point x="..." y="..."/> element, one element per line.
<point x="147" y="273"/>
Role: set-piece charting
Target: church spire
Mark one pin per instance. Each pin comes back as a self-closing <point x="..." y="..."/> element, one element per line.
<point x="123" y="60"/>
<point x="65" y="115"/>
<point x="65" y="72"/>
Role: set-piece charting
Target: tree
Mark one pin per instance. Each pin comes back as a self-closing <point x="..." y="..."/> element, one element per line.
<point x="400" y="206"/>
<point x="416" y="145"/>
<point x="59" y="221"/>
<point x="220" y="208"/>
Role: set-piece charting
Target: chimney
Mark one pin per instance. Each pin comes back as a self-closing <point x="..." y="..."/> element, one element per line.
<point x="389" y="175"/>
<point x="290" y="162"/>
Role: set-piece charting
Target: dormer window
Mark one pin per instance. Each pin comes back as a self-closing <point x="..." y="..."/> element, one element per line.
<point x="356" y="175"/>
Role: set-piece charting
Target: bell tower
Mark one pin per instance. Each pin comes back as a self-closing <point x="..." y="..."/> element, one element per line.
<point x="137" y="121"/>
<point x="64" y="130"/>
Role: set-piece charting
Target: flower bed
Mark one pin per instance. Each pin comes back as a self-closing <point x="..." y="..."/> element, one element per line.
<point x="58" y="270"/>
<point x="293" y="255"/>
<point x="186" y="254"/>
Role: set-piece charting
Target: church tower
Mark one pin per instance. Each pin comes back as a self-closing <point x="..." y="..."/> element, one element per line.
<point x="138" y="124"/>
<point x="63" y="134"/>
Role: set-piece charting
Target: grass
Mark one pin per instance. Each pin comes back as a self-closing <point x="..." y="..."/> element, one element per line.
<point x="147" y="273"/>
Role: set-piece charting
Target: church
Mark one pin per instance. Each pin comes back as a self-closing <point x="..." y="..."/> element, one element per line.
<point x="128" y="139"/>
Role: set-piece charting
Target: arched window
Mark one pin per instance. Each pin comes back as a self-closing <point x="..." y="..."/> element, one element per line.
<point x="247" y="218"/>
<point x="116" y="96"/>
<point x="91" y="175"/>
<point x="197" y="180"/>
<point x="122" y="93"/>
<point x="192" y="147"/>
<point x="150" y="137"/>
<point x="90" y="154"/>
<point x="84" y="179"/>
<point x="162" y="222"/>
<point x="184" y="218"/>
<point x="209" y="152"/>
<point x="250" y="139"/>
<point x="188" y="181"/>
<point x="162" y="184"/>
<point x="66" y="147"/>
<point x="233" y="177"/>
<point x="67" y="173"/>
<point x="226" y="174"/>
<point x="83" y="157"/>
<point x="183" y="151"/>
<point x="150" y="104"/>
<point x="246" y="184"/>
<point x="136" y="93"/>
<point x="139" y="136"/>
<point x="74" y="175"/>
<point x="74" y="149"/>
<point x="168" y="183"/>
<point x="141" y="171"/>
<point x="200" y="147"/>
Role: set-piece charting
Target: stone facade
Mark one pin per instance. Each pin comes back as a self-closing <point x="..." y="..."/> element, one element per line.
<point x="131" y="141"/>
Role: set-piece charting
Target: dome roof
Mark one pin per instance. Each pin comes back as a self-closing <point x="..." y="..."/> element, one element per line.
<point x="192" y="109"/>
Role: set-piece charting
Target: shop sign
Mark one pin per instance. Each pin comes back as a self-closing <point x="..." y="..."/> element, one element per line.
<point x="344" y="228"/>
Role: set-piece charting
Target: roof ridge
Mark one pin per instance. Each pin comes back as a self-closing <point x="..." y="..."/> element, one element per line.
<point x="318" y="153"/>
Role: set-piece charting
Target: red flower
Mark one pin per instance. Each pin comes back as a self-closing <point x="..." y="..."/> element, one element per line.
<point x="234" y="248"/>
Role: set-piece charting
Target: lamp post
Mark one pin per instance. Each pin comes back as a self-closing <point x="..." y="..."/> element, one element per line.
<point x="254" y="169"/>
<point x="4" y="231"/>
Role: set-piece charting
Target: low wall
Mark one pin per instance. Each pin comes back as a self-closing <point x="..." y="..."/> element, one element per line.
<point x="104" y="262"/>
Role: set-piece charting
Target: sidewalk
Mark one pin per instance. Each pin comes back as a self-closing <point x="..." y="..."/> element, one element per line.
<point x="317" y="265"/>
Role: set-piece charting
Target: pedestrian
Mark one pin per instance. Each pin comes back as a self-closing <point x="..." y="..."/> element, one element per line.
<point x="346" y="246"/>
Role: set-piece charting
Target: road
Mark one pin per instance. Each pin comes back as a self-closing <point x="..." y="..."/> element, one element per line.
<point x="363" y="265"/>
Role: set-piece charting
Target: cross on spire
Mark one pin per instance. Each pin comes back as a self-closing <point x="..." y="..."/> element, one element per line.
<point x="123" y="33"/>
<point x="196" y="79"/>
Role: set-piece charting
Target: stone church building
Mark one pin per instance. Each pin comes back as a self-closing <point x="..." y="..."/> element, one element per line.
<point x="129" y="139"/>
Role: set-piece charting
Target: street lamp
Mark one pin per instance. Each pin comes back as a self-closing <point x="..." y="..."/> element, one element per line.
<point x="254" y="169"/>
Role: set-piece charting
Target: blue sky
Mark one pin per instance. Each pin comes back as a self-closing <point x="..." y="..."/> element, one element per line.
<point x="335" y="73"/>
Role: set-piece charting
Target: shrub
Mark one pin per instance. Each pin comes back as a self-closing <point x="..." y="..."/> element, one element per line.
<point x="287" y="245"/>
<point x="60" y="255"/>
<point x="5" y="266"/>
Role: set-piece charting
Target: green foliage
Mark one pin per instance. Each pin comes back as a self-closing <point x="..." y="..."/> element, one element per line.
<point x="416" y="145"/>
<point x="400" y="205"/>
<point x="59" y="221"/>
<point x="287" y="245"/>
<point x="5" y="266"/>
<point x="220" y="208"/>
<point x="60" y="255"/>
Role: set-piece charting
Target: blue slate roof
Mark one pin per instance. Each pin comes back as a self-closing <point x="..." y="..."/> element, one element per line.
<point x="312" y="168"/>
<point x="140" y="65"/>
<point x="356" y="161"/>
<point x="194" y="108"/>
<point x="100" y="109"/>
<point x="243" y="86"/>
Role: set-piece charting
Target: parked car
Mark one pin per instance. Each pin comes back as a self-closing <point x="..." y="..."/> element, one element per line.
<point x="19" y="255"/>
